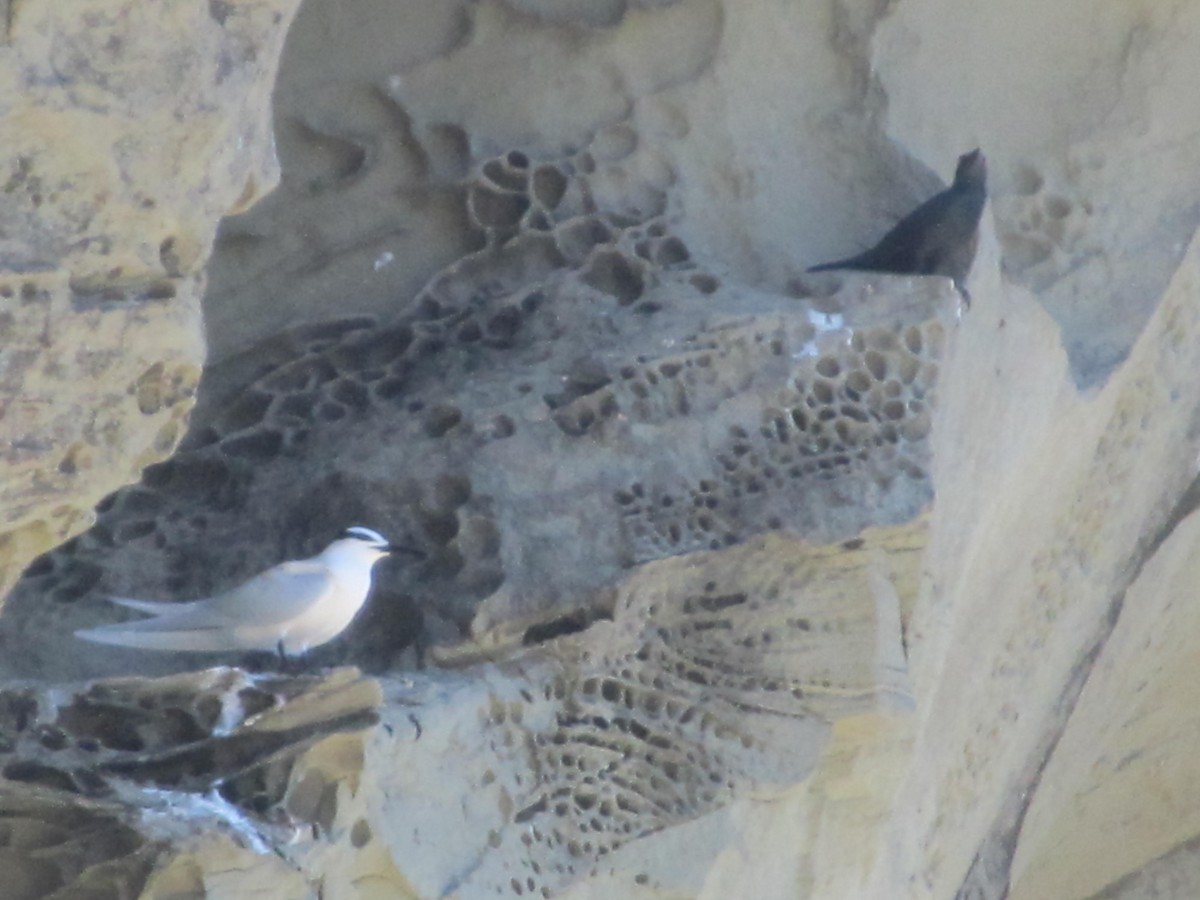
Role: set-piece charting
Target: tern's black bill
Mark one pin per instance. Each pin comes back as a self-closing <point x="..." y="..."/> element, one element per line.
<point x="402" y="548"/>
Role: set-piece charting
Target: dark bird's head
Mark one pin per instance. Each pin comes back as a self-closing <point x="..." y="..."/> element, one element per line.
<point x="971" y="171"/>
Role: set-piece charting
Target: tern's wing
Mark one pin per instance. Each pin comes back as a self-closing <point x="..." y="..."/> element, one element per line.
<point x="226" y="621"/>
<point x="277" y="595"/>
<point x="154" y="607"/>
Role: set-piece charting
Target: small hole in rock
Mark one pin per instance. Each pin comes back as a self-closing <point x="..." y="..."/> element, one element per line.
<point x="440" y="419"/>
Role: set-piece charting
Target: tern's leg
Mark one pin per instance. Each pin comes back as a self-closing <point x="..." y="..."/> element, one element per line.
<point x="285" y="664"/>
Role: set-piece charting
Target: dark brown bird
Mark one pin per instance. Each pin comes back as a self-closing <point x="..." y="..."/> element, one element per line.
<point x="939" y="237"/>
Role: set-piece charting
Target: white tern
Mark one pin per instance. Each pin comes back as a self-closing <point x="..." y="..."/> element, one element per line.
<point x="290" y="608"/>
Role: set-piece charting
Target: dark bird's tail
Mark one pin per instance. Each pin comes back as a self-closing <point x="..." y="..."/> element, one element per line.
<point x="825" y="267"/>
<point x="850" y="262"/>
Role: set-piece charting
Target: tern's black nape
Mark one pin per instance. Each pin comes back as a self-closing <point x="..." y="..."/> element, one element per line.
<point x="366" y="535"/>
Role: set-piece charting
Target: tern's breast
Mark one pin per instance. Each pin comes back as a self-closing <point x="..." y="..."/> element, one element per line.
<point x="331" y="614"/>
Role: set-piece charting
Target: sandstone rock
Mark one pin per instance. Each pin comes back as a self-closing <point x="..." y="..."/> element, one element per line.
<point x="1086" y="491"/>
<point x="529" y="296"/>
<point x="1117" y="751"/>
<point x="116" y="787"/>
<point x="129" y="130"/>
<point x="720" y="675"/>
<point x="55" y="843"/>
<point x="1095" y="200"/>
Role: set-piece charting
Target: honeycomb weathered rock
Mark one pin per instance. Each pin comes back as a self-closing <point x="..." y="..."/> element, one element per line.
<point x="592" y="444"/>
<point x="719" y="675"/>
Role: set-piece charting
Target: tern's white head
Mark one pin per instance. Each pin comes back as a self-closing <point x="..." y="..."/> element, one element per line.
<point x="359" y="546"/>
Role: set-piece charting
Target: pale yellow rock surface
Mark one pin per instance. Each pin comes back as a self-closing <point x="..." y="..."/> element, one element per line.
<point x="216" y="866"/>
<point x="1003" y="638"/>
<point x="821" y="838"/>
<point x="718" y="679"/>
<point x="1118" y="762"/>
<point x="128" y="131"/>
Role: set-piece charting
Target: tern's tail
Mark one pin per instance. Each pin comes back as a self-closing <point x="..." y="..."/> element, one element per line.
<point x="129" y="634"/>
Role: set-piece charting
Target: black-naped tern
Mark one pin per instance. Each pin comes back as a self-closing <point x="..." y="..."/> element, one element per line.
<point x="289" y="608"/>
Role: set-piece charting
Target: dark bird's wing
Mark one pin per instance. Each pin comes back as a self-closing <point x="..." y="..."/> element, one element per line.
<point x="902" y="249"/>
